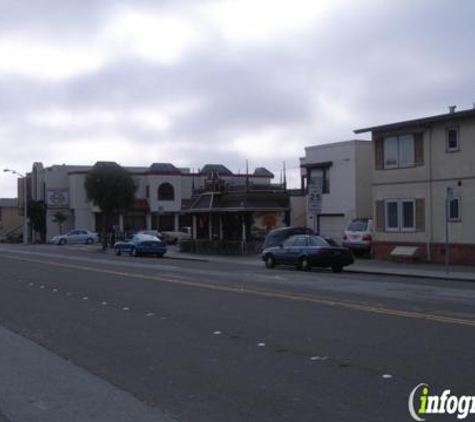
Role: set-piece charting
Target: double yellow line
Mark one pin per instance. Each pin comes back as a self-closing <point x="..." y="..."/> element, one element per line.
<point x="263" y="293"/>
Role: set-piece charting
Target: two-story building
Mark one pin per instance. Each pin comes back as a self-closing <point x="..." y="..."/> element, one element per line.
<point x="164" y="194"/>
<point x="424" y="186"/>
<point x="337" y="179"/>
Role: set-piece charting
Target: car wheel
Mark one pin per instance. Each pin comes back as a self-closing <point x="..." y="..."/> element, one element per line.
<point x="118" y="251"/>
<point x="133" y="252"/>
<point x="88" y="241"/>
<point x="304" y="264"/>
<point x="270" y="262"/>
<point x="62" y="242"/>
<point x="337" y="268"/>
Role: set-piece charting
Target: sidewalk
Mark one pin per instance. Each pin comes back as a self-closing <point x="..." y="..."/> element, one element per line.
<point x="370" y="266"/>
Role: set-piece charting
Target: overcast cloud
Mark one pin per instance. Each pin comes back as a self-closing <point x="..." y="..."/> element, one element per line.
<point x="194" y="82"/>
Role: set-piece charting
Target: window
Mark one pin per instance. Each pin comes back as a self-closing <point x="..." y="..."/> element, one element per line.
<point x="166" y="192"/>
<point x="400" y="215"/>
<point x="321" y="175"/>
<point x="452" y="139"/>
<point x="392" y="220"/>
<point x="454" y="209"/>
<point x="398" y="151"/>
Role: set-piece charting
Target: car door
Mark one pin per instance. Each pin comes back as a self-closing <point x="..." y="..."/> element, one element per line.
<point x="282" y="251"/>
<point x="298" y="248"/>
<point x="72" y="237"/>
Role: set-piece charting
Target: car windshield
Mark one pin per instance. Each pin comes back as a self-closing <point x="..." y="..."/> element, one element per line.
<point x="359" y="225"/>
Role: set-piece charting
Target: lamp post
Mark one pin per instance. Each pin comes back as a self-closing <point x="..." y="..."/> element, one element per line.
<point x="25" y="214"/>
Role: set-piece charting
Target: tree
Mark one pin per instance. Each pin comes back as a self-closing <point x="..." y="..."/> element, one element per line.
<point x="37" y="216"/>
<point x="59" y="218"/>
<point x="111" y="188"/>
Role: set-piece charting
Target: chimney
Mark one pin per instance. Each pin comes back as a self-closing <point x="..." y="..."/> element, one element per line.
<point x="452" y="109"/>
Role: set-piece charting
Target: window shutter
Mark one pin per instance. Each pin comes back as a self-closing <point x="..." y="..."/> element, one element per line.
<point x="379" y="153"/>
<point x="420" y="215"/>
<point x="419" y="149"/>
<point x="380" y="223"/>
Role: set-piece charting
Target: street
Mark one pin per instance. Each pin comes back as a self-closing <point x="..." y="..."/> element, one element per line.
<point x="204" y="341"/>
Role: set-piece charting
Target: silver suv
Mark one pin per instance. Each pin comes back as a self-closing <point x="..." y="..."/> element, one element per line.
<point x="358" y="236"/>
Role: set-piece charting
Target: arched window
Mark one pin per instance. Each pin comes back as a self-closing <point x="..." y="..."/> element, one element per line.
<point x="166" y="192"/>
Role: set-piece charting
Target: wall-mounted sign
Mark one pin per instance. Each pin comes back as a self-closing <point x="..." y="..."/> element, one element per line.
<point x="57" y="198"/>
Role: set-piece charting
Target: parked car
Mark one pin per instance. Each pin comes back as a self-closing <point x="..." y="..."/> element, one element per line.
<point x="75" y="236"/>
<point x="151" y="233"/>
<point x="277" y="236"/>
<point x="358" y="236"/>
<point x="173" y="237"/>
<point x="306" y="251"/>
<point x="141" y="244"/>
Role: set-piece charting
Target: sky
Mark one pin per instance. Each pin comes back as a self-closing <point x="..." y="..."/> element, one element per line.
<point x="193" y="82"/>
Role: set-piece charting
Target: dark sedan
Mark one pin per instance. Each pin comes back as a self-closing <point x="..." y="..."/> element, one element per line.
<point x="306" y="251"/>
<point x="141" y="244"/>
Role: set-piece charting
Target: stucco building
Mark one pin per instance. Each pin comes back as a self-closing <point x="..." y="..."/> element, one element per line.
<point x="167" y="197"/>
<point x="423" y="183"/>
<point x="337" y="179"/>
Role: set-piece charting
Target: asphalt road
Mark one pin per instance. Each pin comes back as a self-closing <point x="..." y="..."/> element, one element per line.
<point x="170" y="339"/>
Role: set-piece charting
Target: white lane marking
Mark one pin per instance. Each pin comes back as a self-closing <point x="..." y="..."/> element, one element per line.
<point x="125" y="308"/>
<point x="319" y="358"/>
<point x="261" y="344"/>
<point x="217" y="333"/>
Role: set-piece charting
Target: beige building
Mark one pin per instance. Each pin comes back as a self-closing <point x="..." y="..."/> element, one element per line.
<point x="164" y="194"/>
<point x="337" y="179"/>
<point x="423" y="183"/>
<point x="11" y="223"/>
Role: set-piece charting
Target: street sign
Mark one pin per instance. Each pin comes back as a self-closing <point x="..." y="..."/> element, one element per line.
<point x="315" y="191"/>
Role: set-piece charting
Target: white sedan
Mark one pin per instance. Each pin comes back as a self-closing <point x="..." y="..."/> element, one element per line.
<point x="75" y="236"/>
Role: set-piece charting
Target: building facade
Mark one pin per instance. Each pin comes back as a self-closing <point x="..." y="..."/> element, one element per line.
<point x="11" y="222"/>
<point x="424" y="186"/>
<point x="164" y="195"/>
<point x="337" y="179"/>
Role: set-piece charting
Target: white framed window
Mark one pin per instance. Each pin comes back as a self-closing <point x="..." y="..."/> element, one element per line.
<point x="454" y="209"/>
<point x="392" y="215"/>
<point x="399" y="151"/>
<point x="452" y="139"/>
<point x="400" y="215"/>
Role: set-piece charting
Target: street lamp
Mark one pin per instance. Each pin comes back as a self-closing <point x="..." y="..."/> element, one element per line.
<point x="25" y="221"/>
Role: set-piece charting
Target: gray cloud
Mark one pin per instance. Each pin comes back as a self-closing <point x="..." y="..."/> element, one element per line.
<point x="376" y="63"/>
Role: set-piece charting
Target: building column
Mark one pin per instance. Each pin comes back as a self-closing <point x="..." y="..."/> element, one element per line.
<point x="194" y="227"/>
<point x="158" y="222"/>
<point x="221" y="228"/>
<point x="148" y="221"/>
<point x="121" y="223"/>
<point x="177" y="222"/>
<point x="243" y="219"/>
<point x="210" y="226"/>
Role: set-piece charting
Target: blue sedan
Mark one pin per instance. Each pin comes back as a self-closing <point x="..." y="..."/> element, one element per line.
<point x="306" y="251"/>
<point x="141" y="244"/>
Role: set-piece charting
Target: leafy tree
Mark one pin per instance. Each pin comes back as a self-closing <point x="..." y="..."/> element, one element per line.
<point x="111" y="188"/>
<point x="37" y="216"/>
<point x="59" y="218"/>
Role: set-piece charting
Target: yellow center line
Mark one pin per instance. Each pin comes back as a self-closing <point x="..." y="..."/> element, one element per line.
<point x="256" y="292"/>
